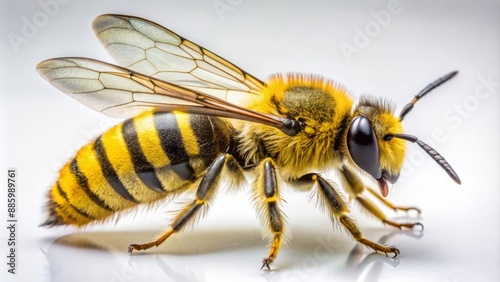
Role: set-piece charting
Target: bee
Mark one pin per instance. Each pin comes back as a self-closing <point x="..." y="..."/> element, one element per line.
<point x="196" y="123"/>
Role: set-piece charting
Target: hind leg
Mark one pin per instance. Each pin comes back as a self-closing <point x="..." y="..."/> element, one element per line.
<point x="204" y="194"/>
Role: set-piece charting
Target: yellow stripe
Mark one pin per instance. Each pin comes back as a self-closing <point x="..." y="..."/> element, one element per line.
<point x="61" y="202"/>
<point x="119" y="157"/>
<point x="154" y="153"/>
<point x="64" y="216"/>
<point x="77" y="196"/>
<point x="149" y="140"/>
<point x="56" y="197"/>
<point x="65" y="211"/>
<point x="187" y="134"/>
<point x="117" y="153"/>
<point x="272" y="199"/>
<point x="90" y="167"/>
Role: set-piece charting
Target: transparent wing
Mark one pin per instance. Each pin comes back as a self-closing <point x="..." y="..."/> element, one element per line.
<point x="120" y="92"/>
<point x="153" y="50"/>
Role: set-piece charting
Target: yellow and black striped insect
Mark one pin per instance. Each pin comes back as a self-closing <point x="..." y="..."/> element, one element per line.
<point x="195" y="119"/>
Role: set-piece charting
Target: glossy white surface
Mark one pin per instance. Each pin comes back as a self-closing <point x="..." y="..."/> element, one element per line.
<point x="41" y="128"/>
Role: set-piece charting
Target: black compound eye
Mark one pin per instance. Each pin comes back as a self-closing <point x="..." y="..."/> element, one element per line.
<point x="363" y="146"/>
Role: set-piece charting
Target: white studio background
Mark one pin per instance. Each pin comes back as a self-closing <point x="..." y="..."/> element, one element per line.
<point x="387" y="48"/>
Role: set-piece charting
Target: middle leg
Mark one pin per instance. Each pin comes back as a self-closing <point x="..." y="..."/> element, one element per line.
<point x="267" y="200"/>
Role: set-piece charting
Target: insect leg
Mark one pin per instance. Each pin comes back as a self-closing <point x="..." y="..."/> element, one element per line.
<point x="338" y="210"/>
<point x="356" y="186"/>
<point x="204" y="194"/>
<point x="391" y="205"/>
<point x="267" y="198"/>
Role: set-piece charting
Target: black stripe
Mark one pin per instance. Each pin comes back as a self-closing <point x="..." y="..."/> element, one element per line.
<point x="143" y="168"/>
<point x="109" y="172"/>
<point x="170" y="137"/>
<point x="221" y="134"/>
<point x="210" y="137"/>
<point x="172" y="144"/>
<point x="204" y="133"/>
<point x="82" y="181"/>
<point x="344" y="124"/>
<point x="78" y="210"/>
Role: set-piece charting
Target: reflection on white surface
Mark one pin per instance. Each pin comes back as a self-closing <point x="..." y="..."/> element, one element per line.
<point x="205" y="255"/>
<point x="106" y="252"/>
<point x="227" y="246"/>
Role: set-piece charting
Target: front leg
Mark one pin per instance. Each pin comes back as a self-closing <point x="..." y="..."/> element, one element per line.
<point x="356" y="187"/>
<point x="391" y="205"/>
<point x="337" y="210"/>
<point x="267" y="199"/>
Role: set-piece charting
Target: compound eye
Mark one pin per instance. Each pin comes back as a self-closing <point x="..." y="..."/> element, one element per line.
<point x="363" y="146"/>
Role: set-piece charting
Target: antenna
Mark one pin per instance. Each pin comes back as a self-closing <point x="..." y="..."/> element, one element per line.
<point x="429" y="150"/>
<point x="424" y="91"/>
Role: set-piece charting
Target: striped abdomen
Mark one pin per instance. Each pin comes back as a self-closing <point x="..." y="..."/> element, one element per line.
<point x="138" y="161"/>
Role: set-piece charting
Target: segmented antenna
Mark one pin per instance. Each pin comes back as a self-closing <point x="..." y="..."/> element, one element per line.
<point x="424" y="91"/>
<point x="428" y="149"/>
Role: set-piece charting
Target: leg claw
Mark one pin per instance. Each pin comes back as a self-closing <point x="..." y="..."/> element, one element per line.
<point x="393" y="250"/>
<point x="408" y="209"/>
<point x="419" y="225"/>
<point x="400" y="226"/>
<point x="266" y="262"/>
<point x="140" y="247"/>
<point x="133" y="247"/>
